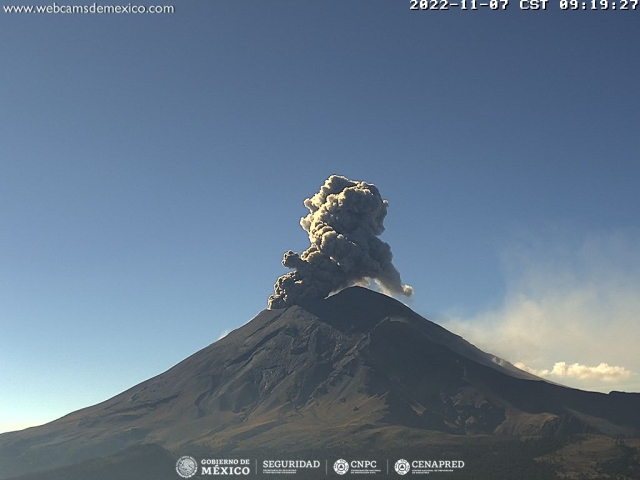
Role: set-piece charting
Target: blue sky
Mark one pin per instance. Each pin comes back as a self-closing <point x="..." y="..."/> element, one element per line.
<point x="154" y="167"/>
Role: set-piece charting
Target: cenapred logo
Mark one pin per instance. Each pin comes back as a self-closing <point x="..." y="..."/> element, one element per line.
<point x="402" y="467"/>
<point x="186" y="466"/>
<point x="341" y="466"/>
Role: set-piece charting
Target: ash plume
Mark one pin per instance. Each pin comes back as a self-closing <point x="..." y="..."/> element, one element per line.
<point x="344" y="221"/>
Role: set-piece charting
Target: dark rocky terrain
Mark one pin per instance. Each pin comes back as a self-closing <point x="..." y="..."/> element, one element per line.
<point x="356" y="371"/>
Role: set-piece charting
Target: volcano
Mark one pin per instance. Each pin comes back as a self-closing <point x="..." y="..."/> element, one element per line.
<point x="355" y="369"/>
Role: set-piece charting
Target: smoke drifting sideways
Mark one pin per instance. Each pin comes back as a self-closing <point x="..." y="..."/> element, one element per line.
<point x="344" y="221"/>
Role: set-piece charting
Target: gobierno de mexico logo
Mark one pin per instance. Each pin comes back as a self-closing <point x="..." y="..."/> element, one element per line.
<point x="186" y="466"/>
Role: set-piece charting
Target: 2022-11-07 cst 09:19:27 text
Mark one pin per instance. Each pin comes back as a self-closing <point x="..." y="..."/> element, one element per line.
<point x="607" y="5"/>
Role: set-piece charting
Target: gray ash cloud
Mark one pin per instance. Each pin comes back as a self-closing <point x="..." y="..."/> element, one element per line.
<point x="344" y="222"/>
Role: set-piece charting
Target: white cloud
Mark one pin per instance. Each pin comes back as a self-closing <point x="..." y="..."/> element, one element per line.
<point x="224" y="334"/>
<point x="579" y="303"/>
<point x="603" y="372"/>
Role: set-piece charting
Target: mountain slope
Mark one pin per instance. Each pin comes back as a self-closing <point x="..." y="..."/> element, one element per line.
<point x="355" y="365"/>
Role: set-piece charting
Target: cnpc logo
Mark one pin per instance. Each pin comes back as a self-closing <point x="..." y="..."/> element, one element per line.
<point x="341" y="466"/>
<point x="357" y="466"/>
